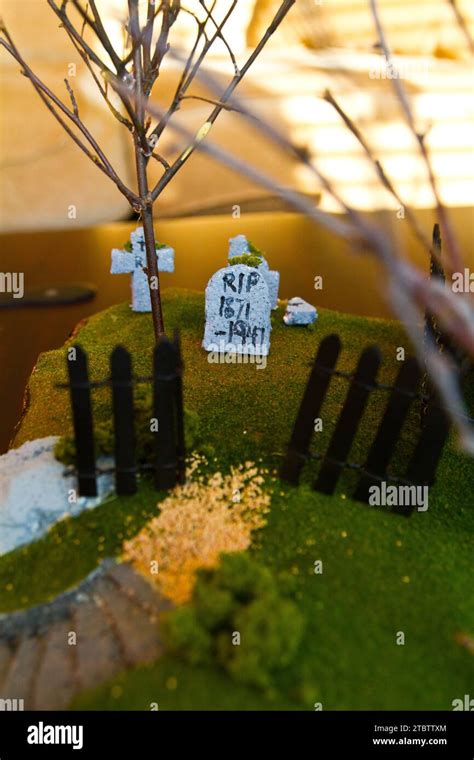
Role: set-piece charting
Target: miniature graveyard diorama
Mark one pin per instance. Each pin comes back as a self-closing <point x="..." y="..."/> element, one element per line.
<point x="225" y="524"/>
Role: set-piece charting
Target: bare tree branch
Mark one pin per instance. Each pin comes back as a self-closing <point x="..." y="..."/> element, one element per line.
<point x="103" y="37"/>
<point x="225" y="106"/>
<point x="73" y="98"/>
<point x="69" y="26"/>
<point x="147" y="211"/>
<point x="160" y="159"/>
<point x="102" y="88"/>
<point x="176" y="166"/>
<point x="462" y="24"/>
<point x="147" y="34"/>
<point x="298" y="153"/>
<point x="379" y="170"/>
<point x="455" y="258"/>
<point x="221" y="36"/>
<point x="108" y="74"/>
<point x="97" y="27"/>
<point x="169" y="13"/>
<point x="188" y="76"/>
<point x="48" y="97"/>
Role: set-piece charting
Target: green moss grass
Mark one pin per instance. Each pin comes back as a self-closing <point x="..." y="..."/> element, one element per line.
<point x="382" y="573"/>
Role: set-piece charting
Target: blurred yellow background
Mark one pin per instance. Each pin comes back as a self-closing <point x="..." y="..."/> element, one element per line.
<point x="320" y="45"/>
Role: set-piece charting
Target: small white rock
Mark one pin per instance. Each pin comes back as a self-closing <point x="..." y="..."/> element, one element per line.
<point x="299" y="312"/>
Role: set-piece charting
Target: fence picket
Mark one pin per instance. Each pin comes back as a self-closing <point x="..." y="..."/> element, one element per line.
<point x="389" y="429"/>
<point x="424" y="462"/>
<point x="164" y="398"/>
<point x="124" y="429"/>
<point x="170" y="451"/>
<point x="179" y="412"/>
<point x="82" y="421"/>
<point x="314" y="395"/>
<point x="348" y="421"/>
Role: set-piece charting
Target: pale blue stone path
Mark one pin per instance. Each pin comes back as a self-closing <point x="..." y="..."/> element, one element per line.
<point x="35" y="492"/>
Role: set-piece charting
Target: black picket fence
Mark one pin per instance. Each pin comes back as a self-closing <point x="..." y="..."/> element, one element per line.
<point x="421" y="469"/>
<point x="168" y="464"/>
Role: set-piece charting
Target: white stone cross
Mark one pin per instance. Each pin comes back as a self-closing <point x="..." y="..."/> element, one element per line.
<point x="133" y="262"/>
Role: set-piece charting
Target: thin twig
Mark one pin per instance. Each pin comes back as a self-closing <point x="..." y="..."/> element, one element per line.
<point x="160" y="159"/>
<point x="99" y="158"/>
<point x="225" y="106"/>
<point x="379" y="170"/>
<point x="147" y="34"/>
<point x="296" y="152"/>
<point x="108" y="74"/>
<point x="73" y="98"/>
<point x="462" y="24"/>
<point x="188" y="76"/>
<point x="102" y="89"/>
<point x="103" y="37"/>
<point x="176" y="166"/>
<point x="223" y="39"/>
<point x="455" y="258"/>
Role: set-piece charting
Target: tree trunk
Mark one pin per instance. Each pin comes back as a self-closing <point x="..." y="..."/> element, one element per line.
<point x="150" y="246"/>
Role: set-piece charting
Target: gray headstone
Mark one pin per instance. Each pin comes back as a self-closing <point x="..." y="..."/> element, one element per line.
<point x="299" y="312"/>
<point x="237" y="311"/>
<point x="126" y="262"/>
<point x="273" y="281"/>
<point x="239" y="246"/>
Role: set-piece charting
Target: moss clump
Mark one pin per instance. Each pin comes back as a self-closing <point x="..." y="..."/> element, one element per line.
<point x="104" y="432"/>
<point x="248" y="259"/>
<point x="254" y="250"/>
<point x="271" y="630"/>
<point x="188" y="636"/>
<point x="238" y="597"/>
<point x="253" y="258"/>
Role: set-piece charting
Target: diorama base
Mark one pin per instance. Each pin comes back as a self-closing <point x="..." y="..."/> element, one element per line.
<point x="379" y="575"/>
